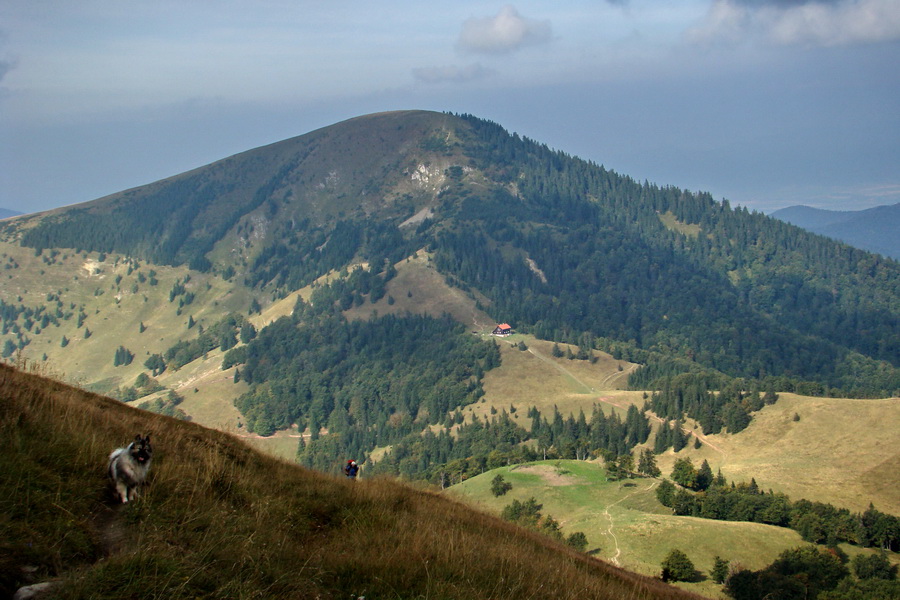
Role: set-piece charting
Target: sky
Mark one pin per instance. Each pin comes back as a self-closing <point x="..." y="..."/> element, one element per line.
<point x="765" y="103"/>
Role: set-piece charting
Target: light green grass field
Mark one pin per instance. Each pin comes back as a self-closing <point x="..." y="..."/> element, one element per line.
<point x="624" y="520"/>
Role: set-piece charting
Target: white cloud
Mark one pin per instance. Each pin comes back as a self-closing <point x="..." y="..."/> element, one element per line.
<point x="811" y="22"/>
<point x="507" y="31"/>
<point x="452" y="74"/>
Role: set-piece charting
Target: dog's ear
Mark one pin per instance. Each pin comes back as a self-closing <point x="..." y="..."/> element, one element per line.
<point x="147" y="439"/>
<point x="137" y="439"/>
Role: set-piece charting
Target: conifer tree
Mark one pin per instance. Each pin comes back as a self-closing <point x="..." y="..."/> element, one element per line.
<point x="720" y="569"/>
<point x="647" y="464"/>
<point x="704" y="476"/>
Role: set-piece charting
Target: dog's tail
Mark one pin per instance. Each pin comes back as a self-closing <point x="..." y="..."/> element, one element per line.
<point x="112" y="462"/>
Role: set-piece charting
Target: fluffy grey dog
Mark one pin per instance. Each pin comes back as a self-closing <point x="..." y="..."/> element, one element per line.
<point x="128" y="466"/>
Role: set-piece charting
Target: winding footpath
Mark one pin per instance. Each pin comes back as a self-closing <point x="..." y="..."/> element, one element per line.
<point x="615" y="558"/>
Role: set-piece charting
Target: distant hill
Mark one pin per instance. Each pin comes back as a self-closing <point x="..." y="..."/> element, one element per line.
<point x="5" y="213"/>
<point x="338" y="290"/>
<point x="873" y="229"/>
<point x="220" y="520"/>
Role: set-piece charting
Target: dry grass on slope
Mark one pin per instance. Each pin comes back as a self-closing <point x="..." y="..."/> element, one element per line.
<point x="220" y="520"/>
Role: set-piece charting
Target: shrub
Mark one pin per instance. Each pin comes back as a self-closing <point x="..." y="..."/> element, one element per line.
<point x="678" y="567"/>
<point x="499" y="486"/>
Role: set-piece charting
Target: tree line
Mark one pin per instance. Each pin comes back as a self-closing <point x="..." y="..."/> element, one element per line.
<point x="705" y="496"/>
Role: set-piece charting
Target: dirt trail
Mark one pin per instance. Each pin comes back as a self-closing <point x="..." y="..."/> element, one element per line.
<point x="108" y="523"/>
<point x="615" y="558"/>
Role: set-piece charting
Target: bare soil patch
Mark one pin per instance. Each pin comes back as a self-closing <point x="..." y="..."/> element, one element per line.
<point x="550" y="475"/>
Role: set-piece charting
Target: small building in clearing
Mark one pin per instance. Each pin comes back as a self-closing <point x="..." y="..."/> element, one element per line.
<point x="502" y="329"/>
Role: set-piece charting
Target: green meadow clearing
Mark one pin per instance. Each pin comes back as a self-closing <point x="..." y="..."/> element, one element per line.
<point x="625" y="524"/>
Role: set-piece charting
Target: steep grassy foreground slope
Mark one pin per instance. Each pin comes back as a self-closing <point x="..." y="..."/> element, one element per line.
<point x="219" y="520"/>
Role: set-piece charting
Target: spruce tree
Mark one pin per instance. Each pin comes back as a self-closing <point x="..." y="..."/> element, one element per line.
<point x="704" y="476"/>
<point x="720" y="570"/>
<point x="647" y="464"/>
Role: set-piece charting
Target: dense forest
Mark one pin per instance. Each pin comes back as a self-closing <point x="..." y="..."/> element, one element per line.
<point x="739" y="293"/>
<point x="457" y="453"/>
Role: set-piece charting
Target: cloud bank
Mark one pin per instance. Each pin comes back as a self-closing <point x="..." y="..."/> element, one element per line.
<point x="505" y="32"/>
<point x="809" y="22"/>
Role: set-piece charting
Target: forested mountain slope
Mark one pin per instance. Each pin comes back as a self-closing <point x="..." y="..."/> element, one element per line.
<point x="562" y="247"/>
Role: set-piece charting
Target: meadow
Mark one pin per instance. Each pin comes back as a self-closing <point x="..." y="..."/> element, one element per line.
<point x="626" y="525"/>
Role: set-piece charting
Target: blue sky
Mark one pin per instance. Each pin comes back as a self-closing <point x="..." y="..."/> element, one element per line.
<point x="768" y="103"/>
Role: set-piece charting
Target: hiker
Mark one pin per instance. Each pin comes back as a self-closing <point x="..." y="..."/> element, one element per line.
<point x="351" y="469"/>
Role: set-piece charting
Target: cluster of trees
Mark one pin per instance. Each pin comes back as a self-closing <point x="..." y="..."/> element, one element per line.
<point x="812" y="572"/>
<point x="808" y="572"/>
<point x="303" y="252"/>
<point x="144" y="385"/>
<point x="714" y="402"/>
<point x="376" y="380"/>
<point x="815" y="521"/>
<point x="123" y="356"/>
<point x="19" y="320"/>
<point x="454" y="454"/>
<point x="476" y="446"/>
<point x="180" y="291"/>
<point x="578" y="438"/>
<point x="223" y="335"/>
<point x="528" y="514"/>
<point x="167" y="406"/>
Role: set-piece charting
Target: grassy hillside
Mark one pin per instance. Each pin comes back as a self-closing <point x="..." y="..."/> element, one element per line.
<point x="115" y="296"/>
<point x="625" y="524"/>
<point x="219" y="520"/>
<point x="837" y="450"/>
<point x="800" y="458"/>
